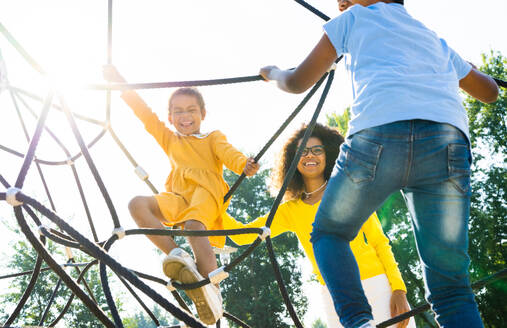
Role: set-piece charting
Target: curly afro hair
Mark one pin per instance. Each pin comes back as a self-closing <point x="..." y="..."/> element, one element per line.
<point x="331" y="139"/>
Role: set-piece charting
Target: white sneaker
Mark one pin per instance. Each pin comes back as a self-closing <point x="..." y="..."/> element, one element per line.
<point x="175" y="261"/>
<point x="179" y="265"/>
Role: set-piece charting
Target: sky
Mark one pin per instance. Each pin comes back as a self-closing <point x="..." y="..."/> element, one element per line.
<point x="156" y="41"/>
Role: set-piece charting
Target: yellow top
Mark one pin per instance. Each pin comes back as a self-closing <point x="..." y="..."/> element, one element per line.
<point x="370" y="247"/>
<point x="195" y="160"/>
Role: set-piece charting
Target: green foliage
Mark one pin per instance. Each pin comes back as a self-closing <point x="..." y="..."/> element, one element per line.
<point x="23" y="258"/>
<point x="488" y="132"/>
<point x="340" y="122"/>
<point x="251" y="291"/>
<point x="141" y="319"/>
<point x="319" y="324"/>
<point x="488" y="128"/>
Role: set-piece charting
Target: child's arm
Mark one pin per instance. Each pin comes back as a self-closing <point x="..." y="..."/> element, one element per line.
<point x="232" y="158"/>
<point x="480" y="86"/>
<point x="151" y="121"/>
<point x="307" y="73"/>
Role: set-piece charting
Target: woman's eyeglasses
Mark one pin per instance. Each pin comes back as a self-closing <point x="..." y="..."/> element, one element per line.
<point x="316" y="150"/>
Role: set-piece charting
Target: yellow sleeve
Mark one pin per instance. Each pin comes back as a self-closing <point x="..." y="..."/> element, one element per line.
<point x="378" y="240"/>
<point x="230" y="156"/>
<point x="280" y="224"/>
<point x="151" y="122"/>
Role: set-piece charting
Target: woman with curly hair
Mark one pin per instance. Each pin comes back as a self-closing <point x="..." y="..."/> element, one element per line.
<point x="380" y="276"/>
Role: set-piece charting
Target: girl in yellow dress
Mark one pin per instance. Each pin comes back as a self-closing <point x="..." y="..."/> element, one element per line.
<point x="195" y="189"/>
<point x="380" y="276"/>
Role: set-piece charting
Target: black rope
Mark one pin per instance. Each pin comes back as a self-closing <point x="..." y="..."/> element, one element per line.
<point x="91" y="164"/>
<point x="313" y="9"/>
<point x="56" y="268"/>
<point x="50" y="302"/>
<point x="99" y="253"/>
<point x="276" y="135"/>
<point x="28" y="94"/>
<point x="140" y="301"/>
<point x="33" y="142"/>
<point x="501" y="83"/>
<point x="295" y="161"/>
<point x="176" y="84"/>
<point x="71" y="298"/>
<point x="425" y="307"/>
<point x="235" y="320"/>
<point x="63" y="162"/>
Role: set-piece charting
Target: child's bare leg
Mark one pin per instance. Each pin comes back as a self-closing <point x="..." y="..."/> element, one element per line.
<point x="146" y="213"/>
<point x="203" y="253"/>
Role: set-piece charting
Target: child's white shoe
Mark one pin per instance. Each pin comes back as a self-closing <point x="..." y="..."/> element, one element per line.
<point x="179" y="265"/>
<point x="175" y="261"/>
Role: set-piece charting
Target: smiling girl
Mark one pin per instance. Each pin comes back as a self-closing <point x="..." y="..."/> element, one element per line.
<point x="195" y="189"/>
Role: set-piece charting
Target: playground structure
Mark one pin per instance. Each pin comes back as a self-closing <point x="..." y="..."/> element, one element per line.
<point x="70" y="238"/>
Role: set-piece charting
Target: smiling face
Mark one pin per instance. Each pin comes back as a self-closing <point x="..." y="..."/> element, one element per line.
<point x="186" y="114"/>
<point x="311" y="165"/>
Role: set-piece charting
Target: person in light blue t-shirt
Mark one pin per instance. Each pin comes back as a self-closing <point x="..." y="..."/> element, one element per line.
<point x="408" y="131"/>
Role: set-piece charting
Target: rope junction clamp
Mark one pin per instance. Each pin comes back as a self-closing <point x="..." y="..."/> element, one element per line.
<point x="43" y="226"/>
<point x="68" y="252"/>
<point x="218" y="275"/>
<point x="170" y="286"/>
<point x="141" y="173"/>
<point x="332" y="68"/>
<point x="265" y="233"/>
<point x="70" y="162"/>
<point x="119" y="232"/>
<point x="10" y="196"/>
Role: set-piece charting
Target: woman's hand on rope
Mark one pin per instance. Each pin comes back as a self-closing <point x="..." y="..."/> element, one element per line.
<point x="251" y="167"/>
<point x="111" y="74"/>
<point x="399" y="305"/>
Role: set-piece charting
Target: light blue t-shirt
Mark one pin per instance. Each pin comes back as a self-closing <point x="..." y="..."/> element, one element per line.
<point x="400" y="69"/>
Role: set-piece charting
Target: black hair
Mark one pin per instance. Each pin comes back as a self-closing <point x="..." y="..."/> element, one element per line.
<point x="331" y="140"/>
<point x="401" y="2"/>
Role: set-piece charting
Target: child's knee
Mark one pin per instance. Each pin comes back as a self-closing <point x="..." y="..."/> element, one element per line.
<point x="194" y="225"/>
<point x="135" y="204"/>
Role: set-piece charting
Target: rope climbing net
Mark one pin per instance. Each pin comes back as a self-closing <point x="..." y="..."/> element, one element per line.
<point x="26" y="207"/>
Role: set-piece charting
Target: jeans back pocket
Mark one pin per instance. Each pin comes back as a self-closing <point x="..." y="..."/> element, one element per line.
<point x="458" y="164"/>
<point x="361" y="161"/>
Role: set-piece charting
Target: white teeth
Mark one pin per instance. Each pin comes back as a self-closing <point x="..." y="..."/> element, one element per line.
<point x="310" y="164"/>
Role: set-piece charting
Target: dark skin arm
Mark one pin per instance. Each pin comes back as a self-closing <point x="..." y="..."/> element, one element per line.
<point x="480" y="86"/>
<point x="307" y="73"/>
<point x="477" y="84"/>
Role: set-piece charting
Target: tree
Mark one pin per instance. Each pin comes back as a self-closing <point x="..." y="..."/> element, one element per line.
<point x="141" y="319"/>
<point x="487" y="228"/>
<point x="488" y="132"/>
<point x="251" y="292"/>
<point x="319" y="324"/>
<point x="22" y="259"/>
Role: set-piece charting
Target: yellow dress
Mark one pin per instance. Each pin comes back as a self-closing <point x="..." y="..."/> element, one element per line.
<point x="370" y="247"/>
<point x="195" y="187"/>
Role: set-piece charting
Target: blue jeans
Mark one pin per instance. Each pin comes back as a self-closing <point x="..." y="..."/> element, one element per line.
<point x="430" y="163"/>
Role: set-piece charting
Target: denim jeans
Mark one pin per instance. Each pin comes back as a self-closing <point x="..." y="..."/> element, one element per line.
<point x="430" y="163"/>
